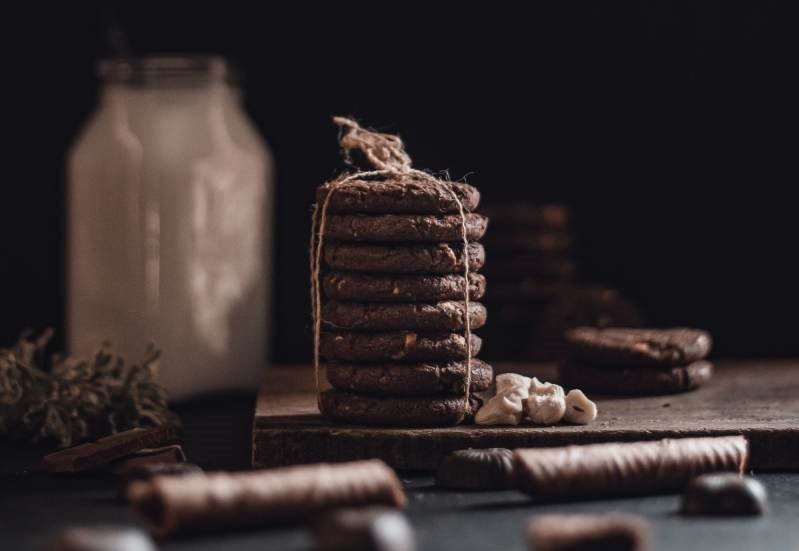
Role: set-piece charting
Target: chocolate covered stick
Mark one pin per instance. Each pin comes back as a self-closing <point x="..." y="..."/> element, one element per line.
<point x="571" y="532"/>
<point x="634" y="468"/>
<point x="204" y="502"/>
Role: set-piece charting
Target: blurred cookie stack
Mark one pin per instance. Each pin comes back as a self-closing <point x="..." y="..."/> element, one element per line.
<point x="534" y="298"/>
<point x="532" y="261"/>
<point x="393" y="311"/>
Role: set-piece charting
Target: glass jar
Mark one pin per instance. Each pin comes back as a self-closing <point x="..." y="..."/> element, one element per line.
<point x="170" y="224"/>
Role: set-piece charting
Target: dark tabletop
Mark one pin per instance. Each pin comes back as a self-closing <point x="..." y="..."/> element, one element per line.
<point x="34" y="508"/>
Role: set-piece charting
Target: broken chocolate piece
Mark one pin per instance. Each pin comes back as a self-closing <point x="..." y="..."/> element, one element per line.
<point x="724" y="494"/>
<point x="92" y="455"/>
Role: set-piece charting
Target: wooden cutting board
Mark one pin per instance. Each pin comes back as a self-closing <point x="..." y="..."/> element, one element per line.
<point x="759" y="399"/>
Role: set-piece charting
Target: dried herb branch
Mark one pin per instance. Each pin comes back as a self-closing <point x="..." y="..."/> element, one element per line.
<point x="68" y="400"/>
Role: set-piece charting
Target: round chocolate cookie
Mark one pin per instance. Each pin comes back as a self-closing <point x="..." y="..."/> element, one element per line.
<point x="447" y="315"/>
<point x="634" y="381"/>
<point x="516" y="214"/>
<point x="439" y="258"/>
<point x="410" y="379"/>
<point x="529" y="240"/>
<point x="401" y="288"/>
<point x="638" y="347"/>
<point x="396" y="346"/>
<point x="411" y="228"/>
<point x="361" y="409"/>
<point x="477" y="469"/>
<point x="393" y="195"/>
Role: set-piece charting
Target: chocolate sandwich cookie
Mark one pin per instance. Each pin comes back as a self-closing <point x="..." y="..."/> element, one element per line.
<point x="634" y="381"/>
<point x="353" y="286"/>
<point x="447" y="315"/>
<point x="529" y="240"/>
<point x="361" y="409"/>
<point x="440" y="258"/>
<point x="414" y="228"/>
<point x="398" y="195"/>
<point x="638" y="347"/>
<point x="405" y="346"/>
<point x="517" y="214"/>
<point x="410" y="379"/>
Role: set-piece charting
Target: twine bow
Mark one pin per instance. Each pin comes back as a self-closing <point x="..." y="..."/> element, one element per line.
<point x="386" y="153"/>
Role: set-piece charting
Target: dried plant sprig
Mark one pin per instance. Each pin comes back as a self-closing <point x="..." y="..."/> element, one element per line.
<point x="69" y="400"/>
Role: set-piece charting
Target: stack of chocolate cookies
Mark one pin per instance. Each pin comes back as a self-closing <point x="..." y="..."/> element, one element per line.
<point x="393" y="312"/>
<point x="532" y="262"/>
<point x="636" y="361"/>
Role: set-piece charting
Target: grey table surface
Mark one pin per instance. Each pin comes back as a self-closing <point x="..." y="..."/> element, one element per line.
<point x="217" y="430"/>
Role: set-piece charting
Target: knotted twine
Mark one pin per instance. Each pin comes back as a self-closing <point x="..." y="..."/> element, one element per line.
<point x="386" y="153"/>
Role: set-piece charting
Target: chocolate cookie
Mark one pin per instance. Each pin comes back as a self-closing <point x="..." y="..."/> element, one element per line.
<point x="638" y="347"/>
<point x="447" y="315"/>
<point x="360" y="409"/>
<point x="440" y="258"/>
<point x="634" y="381"/>
<point x="395" y="195"/>
<point x="401" y="288"/>
<point x="412" y="228"/>
<point x="517" y="214"/>
<point x="396" y="346"/>
<point x="529" y="240"/>
<point x="410" y="379"/>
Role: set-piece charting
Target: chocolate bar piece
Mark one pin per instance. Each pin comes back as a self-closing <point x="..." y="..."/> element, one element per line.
<point x="92" y="455"/>
<point x="165" y="454"/>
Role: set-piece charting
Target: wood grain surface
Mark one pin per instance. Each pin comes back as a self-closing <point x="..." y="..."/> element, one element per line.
<point x="759" y="399"/>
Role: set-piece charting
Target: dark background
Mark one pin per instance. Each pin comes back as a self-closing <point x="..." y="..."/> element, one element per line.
<point x="665" y="125"/>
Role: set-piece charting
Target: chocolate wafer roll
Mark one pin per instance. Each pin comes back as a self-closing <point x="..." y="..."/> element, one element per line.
<point x="573" y="532"/>
<point x="205" y="502"/>
<point x="634" y="468"/>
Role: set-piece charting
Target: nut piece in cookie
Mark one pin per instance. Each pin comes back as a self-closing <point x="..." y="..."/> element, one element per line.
<point x="477" y="469"/>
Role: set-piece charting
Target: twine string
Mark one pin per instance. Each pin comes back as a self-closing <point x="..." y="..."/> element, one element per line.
<point x="386" y="153"/>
